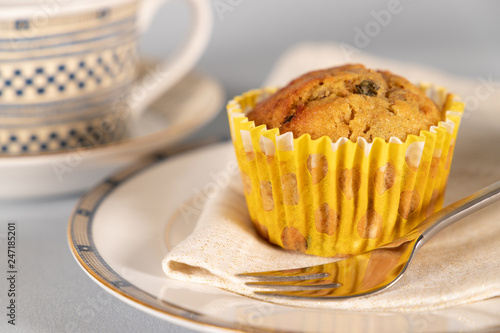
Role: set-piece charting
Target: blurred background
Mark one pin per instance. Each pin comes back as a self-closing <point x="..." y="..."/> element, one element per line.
<point x="458" y="37"/>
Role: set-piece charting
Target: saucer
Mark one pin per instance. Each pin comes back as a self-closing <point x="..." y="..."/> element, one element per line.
<point x="193" y="102"/>
<point x="121" y="230"/>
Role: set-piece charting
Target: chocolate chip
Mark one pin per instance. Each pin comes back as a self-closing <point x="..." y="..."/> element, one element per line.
<point x="298" y="109"/>
<point x="368" y="88"/>
<point x="288" y="119"/>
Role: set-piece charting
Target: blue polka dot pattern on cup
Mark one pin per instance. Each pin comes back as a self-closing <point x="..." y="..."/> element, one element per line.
<point x="64" y="135"/>
<point x="60" y="78"/>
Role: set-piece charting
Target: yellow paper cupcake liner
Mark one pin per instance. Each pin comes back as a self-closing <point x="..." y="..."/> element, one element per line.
<point x="341" y="198"/>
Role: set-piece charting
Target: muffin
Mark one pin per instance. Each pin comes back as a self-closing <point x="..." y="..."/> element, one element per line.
<point x="343" y="160"/>
<point x="348" y="101"/>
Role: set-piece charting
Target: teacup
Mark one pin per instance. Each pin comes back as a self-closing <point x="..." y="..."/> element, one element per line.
<point x="68" y="70"/>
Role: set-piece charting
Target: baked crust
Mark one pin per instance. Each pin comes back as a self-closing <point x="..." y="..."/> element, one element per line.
<point x="348" y="101"/>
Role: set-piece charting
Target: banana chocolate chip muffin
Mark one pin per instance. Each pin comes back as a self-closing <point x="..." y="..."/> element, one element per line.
<point x="347" y="186"/>
<point x="348" y="101"/>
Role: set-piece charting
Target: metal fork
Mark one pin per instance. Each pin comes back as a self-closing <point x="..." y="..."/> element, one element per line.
<point x="372" y="271"/>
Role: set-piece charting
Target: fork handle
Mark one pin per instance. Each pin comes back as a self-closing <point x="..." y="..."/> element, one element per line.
<point x="458" y="210"/>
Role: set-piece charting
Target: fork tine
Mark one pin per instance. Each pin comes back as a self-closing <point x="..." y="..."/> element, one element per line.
<point x="296" y="274"/>
<point x="275" y="276"/>
<point x="325" y="293"/>
<point x="294" y="285"/>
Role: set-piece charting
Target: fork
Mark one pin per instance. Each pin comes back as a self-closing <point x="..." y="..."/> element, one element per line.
<point x="372" y="271"/>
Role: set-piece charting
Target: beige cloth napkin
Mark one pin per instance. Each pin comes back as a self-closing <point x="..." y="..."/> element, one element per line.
<point x="461" y="265"/>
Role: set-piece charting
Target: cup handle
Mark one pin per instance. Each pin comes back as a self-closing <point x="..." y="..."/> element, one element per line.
<point x="170" y="71"/>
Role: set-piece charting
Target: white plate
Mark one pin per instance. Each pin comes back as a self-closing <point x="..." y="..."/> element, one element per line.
<point x="193" y="102"/>
<point x="120" y="232"/>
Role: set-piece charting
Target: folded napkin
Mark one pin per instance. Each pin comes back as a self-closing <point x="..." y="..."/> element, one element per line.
<point x="460" y="265"/>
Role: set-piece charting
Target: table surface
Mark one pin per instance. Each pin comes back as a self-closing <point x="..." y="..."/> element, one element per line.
<point x="55" y="295"/>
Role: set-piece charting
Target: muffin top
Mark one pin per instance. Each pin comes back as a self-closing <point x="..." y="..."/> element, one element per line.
<point x="348" y="101"/>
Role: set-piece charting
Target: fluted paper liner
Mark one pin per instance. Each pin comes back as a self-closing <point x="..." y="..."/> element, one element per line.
<point x="341" y="198"/>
